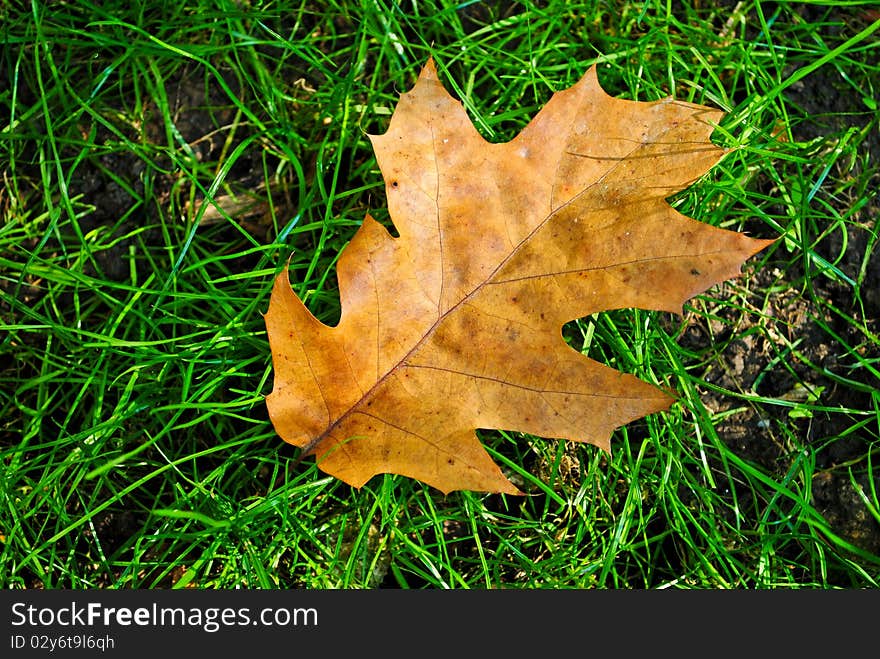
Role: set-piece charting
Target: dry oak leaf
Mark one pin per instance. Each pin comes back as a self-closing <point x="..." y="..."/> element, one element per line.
<point x="456" y="324"/>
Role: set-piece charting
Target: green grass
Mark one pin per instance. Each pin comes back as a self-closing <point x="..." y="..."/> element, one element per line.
<point x="160" y="164"/>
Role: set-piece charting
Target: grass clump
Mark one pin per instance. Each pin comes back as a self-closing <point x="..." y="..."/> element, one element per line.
<point x="161" y="163"/>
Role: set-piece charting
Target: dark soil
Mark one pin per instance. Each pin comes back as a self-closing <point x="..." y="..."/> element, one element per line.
<point x="752" y="364"/>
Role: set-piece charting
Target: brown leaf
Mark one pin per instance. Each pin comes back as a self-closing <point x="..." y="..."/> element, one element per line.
<point x="456" y="324"/>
